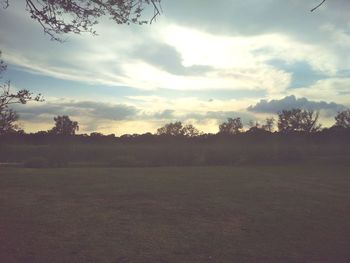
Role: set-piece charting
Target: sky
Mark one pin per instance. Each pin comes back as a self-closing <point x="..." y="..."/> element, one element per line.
<point x="201" y="62"/>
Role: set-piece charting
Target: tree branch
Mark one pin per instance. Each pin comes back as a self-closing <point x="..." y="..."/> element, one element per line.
<point x="313" y="9"/>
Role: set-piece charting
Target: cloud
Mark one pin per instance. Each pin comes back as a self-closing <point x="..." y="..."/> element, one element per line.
<point x="166" y="57"/>
<point x="170" y="56"/>
<point x="290" y="102"/>
<point x="336" y="88"/>
<point x="147" y="117"/>
<point x="227" y="46"/>
<point x="80" y="109"/>
<point x="302" y="73"/>
<point x="220" y="116"/>
<point x="163" y="115"/>
<point x="251" y="17"/>
<point x="101" y="116"/>
<point x="200" y="66"/>
<point x="284" y="30"/>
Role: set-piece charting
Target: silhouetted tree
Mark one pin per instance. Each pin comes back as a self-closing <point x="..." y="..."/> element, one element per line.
<point x="59" y="17"/>
<point x="190" y="131"/>
<point x="254" y="127"/>
<point x="8" y="119"/>
<point x="96" y="135"/>
<point x="254" y="124"/>
<point x="257" y="128"/>
<point x="64" y="126"/>
<point x="298" y="120"/>
<point x="178" y="129"/>
<point x="269" y="124"/>
<point x="8" y="116"/>
<point x="232" y="126"/>
<point x="2" y="65"/>
<point x="343" y="119"/>
<point x="172" y="129"/>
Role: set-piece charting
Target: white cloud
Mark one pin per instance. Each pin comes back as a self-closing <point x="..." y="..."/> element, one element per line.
<point x="227" y="45"/>
<point x="237" y="62"/>
<point x="335" y="89"/>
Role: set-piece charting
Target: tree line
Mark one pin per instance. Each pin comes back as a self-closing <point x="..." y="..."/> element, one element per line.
<point x="288" y="122"/>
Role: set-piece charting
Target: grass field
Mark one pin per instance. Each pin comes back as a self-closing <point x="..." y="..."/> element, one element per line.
<point x="199" y="214"/>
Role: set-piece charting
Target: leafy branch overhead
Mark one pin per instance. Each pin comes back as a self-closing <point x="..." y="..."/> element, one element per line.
<point x="59" y="17"/>
<point x="8" y="117"/>
<point x="20" y="97"/>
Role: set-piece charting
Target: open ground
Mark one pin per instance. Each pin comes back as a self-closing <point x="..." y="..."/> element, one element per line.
<point x="192" y="214"/>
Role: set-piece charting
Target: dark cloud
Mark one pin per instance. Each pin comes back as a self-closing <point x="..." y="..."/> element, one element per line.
<point x="252" y="17"/>
<point x="167" y="58"/>
<point x="99" y="113"/>
<point x="88" y="109"/>
<point x="290" y="102"/>
<point x="166" y="114"/>
<point x="303" y="74"/>
<point x="94" y="116"/>
<point x="105" y="111"/>
<point x="170" y="115"/>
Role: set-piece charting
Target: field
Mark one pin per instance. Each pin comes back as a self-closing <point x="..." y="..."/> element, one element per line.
<point x="193" y="214"/>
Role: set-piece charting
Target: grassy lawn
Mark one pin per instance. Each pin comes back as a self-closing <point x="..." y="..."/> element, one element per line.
<point x="215" y="214"/>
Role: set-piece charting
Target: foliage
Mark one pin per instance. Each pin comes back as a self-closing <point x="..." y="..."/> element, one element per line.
<point x="172" y="129"/>
<point x="64" y="126"/>
<point x="343" y="119"/>
<point x="2" y="65"/>
<point x="190" y="131"/>
<point x="328" y="146"/>
<point x="298" y="120"/>
<point x="269" y="124"/>
<point x="8" y="119"/>
<point x="232" y="126"/>
<point x="58" y="17"/>
<point x="177" y="129"/>
<point x="255" y="126"/>
<point x="8" y="116"/>
<point x="96" y="135"/>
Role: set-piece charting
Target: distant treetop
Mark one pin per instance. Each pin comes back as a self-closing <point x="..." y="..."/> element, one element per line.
<point x="343" y="119"/>
<point x="64" y="126"/>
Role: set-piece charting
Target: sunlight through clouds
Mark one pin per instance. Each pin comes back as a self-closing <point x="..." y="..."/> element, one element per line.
<point x="188" y="60"/>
